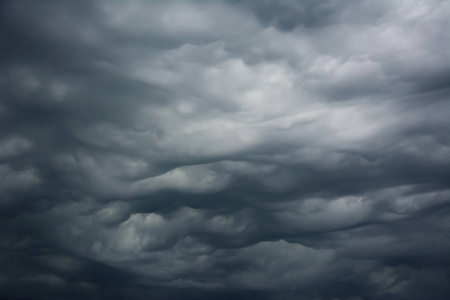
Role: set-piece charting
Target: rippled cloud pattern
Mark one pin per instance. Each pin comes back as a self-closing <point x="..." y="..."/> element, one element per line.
<point x="225" y="150"/>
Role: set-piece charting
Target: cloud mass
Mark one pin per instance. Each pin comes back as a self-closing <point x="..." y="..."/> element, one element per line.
<point x="224" y="150"/>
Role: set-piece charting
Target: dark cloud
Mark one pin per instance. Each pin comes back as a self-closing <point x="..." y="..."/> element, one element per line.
<point x="224" y="149"/>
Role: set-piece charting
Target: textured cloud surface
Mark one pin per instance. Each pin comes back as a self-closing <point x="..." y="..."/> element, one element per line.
<point x="225" y="150"/>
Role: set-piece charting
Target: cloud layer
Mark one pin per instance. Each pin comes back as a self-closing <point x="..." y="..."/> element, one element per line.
<point x="225" y="149"/>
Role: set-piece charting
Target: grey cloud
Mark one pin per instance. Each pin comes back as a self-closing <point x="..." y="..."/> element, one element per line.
<point x="229" y="149"/>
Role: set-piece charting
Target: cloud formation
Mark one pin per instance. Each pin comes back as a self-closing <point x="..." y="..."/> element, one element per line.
<point x="224" y="149"/>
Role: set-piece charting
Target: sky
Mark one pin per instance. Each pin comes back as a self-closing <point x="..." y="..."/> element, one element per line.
<point x="225" y="150"/>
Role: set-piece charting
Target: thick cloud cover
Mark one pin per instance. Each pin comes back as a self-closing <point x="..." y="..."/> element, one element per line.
<point x="225" y="149"/>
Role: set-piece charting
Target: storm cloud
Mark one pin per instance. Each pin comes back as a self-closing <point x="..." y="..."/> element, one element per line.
<point x="225" y="150"/>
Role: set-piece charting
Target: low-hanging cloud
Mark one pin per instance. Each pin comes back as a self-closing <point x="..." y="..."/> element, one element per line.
<point x="224" y="149"/>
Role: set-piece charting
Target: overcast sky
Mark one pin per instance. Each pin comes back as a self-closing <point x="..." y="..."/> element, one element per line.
<point x="269" y="150"/>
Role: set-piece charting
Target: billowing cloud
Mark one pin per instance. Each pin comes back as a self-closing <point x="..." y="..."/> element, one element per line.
<point x="224" y="149"/>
